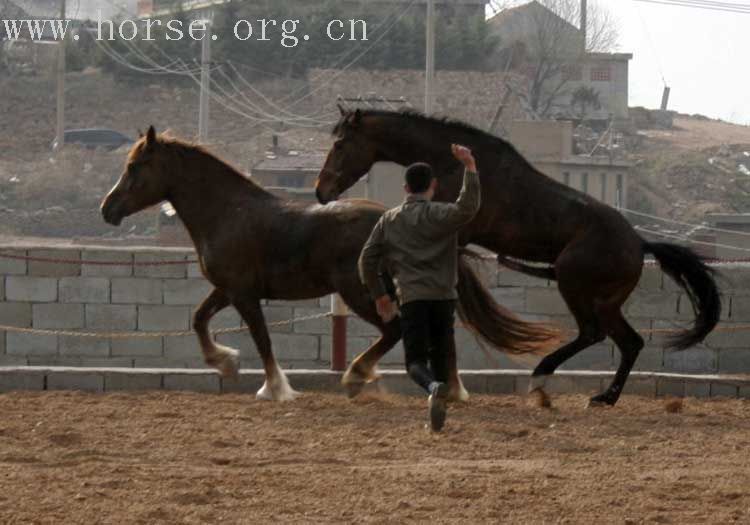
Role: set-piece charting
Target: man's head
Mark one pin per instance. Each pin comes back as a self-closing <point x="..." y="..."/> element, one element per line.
<point x="420" y="179"/>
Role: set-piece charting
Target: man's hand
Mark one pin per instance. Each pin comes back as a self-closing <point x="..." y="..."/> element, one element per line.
<point x="464" y="156"/>
<point x="387" y="309"/>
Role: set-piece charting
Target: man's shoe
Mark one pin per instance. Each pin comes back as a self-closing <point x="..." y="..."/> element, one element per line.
<point x="438" y="402"/>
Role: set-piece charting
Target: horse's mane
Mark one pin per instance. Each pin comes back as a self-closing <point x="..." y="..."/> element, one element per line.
<point x="482" y="137"/>
<point x="183" y="148"/>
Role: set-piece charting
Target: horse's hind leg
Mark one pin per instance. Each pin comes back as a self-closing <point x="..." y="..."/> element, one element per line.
<point x="363" y="367"/>
<point x="630" y="344"/>
<point x="276" y="386"/>
<point x="223" y="358"/>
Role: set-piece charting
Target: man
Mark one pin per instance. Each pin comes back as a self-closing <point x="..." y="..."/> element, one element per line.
<point x="418" y="243"/>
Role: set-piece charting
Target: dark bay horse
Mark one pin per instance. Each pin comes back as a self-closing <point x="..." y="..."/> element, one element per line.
<point x="252" y="246"/>
<point x="592" y="252"/>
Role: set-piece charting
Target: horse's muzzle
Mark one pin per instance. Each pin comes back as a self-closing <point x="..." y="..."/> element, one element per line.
<point x="111" y="213"/>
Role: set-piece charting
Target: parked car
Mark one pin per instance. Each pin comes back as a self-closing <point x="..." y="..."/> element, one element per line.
<point x="95" y="138"/>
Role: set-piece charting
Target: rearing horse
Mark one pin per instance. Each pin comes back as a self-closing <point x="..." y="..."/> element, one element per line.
<point x="592" y="252"/>
<point x="252" y="246"/>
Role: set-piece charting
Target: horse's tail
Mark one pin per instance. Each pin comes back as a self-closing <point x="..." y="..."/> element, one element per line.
<point x="693" y="275"/>
<point x="493" y="322"/>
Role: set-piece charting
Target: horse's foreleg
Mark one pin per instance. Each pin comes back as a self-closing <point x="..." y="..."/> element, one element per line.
<point x="221" y="357"/>
<point x="363" y="368"/>
<point x="276" y="386"/>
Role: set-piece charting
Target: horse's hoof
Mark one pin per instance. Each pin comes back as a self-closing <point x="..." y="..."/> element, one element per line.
<point x="541" y="399"/>
<point x="599" y="402"/>
<point x="281" y="393"/>
<point x="459" y="395"/>
<point x="353" y="389"/>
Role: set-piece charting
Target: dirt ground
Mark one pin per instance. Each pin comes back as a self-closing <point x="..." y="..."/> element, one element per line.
<point x="195" y="458"/>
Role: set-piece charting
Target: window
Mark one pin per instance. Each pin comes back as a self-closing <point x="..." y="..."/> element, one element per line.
<point x="585" y="183"/>
<point x="620" y="188"/>
<point x="604" y="187"/>
<point x="566" y="178"/>
<point x="572" y="72"/>
<point x="601" y="74"/>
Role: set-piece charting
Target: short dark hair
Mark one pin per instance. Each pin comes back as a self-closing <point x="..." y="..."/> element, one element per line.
<point x="418" y="177"/>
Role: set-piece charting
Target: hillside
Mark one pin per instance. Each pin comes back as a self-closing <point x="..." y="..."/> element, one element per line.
<point x="700" y="166"/>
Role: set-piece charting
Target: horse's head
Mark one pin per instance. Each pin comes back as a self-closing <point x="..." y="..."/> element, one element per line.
<point x="350" y="158"/>
<point x="143" y="184"/>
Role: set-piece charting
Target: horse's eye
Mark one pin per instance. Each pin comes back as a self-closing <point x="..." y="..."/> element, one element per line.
<point x="338" y="144"/>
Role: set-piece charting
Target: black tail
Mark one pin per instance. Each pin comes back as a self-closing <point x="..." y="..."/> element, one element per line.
<point x="496" y="324"/>
<point x="690" y="271"/>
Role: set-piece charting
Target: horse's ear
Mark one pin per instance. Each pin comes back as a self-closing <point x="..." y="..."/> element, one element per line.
<point x="342" y="110"/>
<point x="151" y="136"/>
<point x="140" y="134"/>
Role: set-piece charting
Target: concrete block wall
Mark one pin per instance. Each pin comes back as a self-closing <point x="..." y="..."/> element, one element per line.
<point x="81" y="296"/>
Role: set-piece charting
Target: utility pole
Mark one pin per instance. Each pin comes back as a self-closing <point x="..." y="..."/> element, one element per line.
<point x="60" y="130"/>
<point x="429" y="96"/>
<point x="205" y="84"/>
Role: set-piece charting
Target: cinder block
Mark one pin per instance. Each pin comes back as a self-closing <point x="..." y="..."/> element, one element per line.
<point x="16" y="314"/>
<point x="652" y="280"/>
<point x="357" y="327"/>
<point x="13" y="266"/>
<point x="131" y="290"/>
<point x="740" y="309"/>
<point x="744" y="392"/>
<point x="506" y="277"/>
<point x="693" y="360"/>
<point x="83" y="346"/>
<point x="110" y="317"/>
<point x="137" y="347"/>
<point x="354" y="347"/>
<point x="597" y="357"/>
<point x="322" y="382"/>
<point x="24" y="381"/>
<point x="30" y="344"/>
<point x="723" y="390"/>
<point x="501" y="384"/>
<point x="163" y="318"/>
<point x="734" y="360"/>
<point x="182" y="348"/>
<point x="655" y="305"/>
<point x="698" y="389"/>
<point x="668" y="386"/>
<point x="124" y="269"/>
<point x="80" y="362"/>
<point x="245" y="384"/>
<point x="84" y="290"/>
<point x="650" y="359"/>
<point x="209" y="383"/>
<point x="56" y="316"/>
<point x="640" y="386"/>
<point x="545" y="301"/>
<point x="194" y="271"/>
<point x="49" y="269"/>
<point x="289" y="347"/>
<point x="239" y="340"/>
<point x="737" y="278"/>
<point x="227" y="318"/>
<point x="162" y="362"/>
<point x="137" y="382"/>
<point x="304" y="303"/>
<point x="33" y="289"/>
<point x="724" y="337"/>
<point x="279" y="314"/>
<point x="75" y="381"/>
<point x="2" y="288"/>
<point x="172" y="271"/>
<point x="514" y="299"/>
<point x="188" y="292"/>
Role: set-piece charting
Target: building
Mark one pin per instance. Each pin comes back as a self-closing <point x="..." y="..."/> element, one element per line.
<point x="292" y="173"/>
<point x="724" y="238"/>
<point x="548" y="145"/>
<point x="531" y="31"/>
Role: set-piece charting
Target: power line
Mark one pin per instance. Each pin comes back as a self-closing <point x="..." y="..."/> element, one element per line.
<point x="704" y="5"/>
<point x="692" y="241"/>
<point x="694" y="226"/>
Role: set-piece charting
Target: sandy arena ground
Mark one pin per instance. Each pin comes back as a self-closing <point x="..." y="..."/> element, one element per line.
<point x="194" y="458"/>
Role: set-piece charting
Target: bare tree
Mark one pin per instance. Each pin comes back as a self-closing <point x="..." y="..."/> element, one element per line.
<point x="555" y="46"/>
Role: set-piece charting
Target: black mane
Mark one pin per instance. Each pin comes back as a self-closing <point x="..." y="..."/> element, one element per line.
<point x="418" y="117"/>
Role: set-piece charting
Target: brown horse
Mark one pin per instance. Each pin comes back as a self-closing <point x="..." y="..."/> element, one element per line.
<point x="589" y="248"/>
<point x="252" y="246"/>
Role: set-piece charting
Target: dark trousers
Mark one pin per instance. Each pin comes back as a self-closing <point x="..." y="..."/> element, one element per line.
<point x="427" y="328"/>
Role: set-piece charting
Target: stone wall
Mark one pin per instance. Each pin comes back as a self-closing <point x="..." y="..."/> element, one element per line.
<point x="85" y="297"/>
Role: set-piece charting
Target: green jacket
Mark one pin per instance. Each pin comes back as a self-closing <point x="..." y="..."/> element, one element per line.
<point x="417" y="243"/>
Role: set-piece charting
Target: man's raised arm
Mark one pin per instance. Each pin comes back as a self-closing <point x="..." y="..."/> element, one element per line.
<point x="455" y="215"/>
